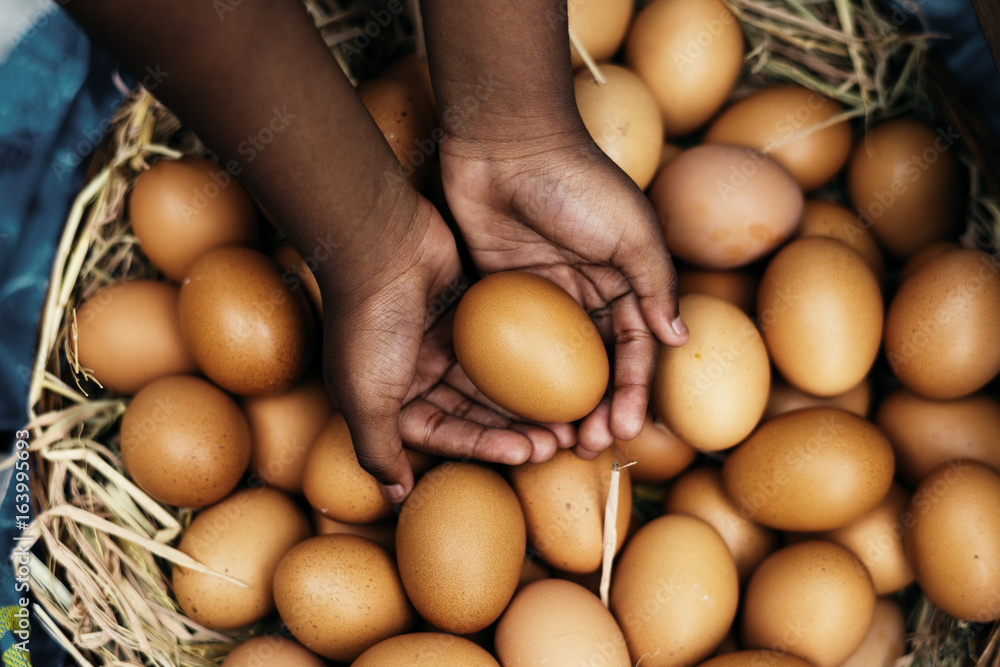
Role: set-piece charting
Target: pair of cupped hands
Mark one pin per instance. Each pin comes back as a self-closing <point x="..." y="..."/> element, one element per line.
<point x="550" y="203"/>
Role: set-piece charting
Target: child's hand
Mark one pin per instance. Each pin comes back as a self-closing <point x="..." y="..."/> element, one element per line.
<point x="561" y="208"/>
<point x="390" y="362"/>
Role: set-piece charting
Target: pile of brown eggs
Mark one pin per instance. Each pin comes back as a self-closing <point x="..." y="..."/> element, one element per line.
<point x="819" y="267"/>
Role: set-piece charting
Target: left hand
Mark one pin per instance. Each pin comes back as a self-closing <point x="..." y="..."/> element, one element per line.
<point x="560" y="208"/>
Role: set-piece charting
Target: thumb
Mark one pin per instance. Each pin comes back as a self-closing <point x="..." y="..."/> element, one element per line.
<point x="374" y="427"/>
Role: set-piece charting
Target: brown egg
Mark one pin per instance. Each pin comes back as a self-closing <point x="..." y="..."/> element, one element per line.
<point x="809" y="470"/>
<point x="876" y="538"/>
<point x="563" y="501"/>
<point x="400" y="109"/>
<point x="786" y="398"/>
<point x="925" y="433"/>
<point x="340" y="595"/>
<point x="416" y="73"/>
<point x="826" y="219"/>
<point x="819" y="307"/>
<point x="904" y="181"/>
<point x="336" y="484"/>
<point x="940" y="331"/>
<point x="674" y="592"/>
<point x="249" y="333"/>
<point x="813" y="599"/>
<point x="425" y="649"/>
<point x="599" y="25"/>
<point x="925" y="254"/>
<point x="129" y="334"/>
<point x="297" y="273"/>
<point x="558" y="622"/>
<point x="272" y="651"/>
<point x="885" y="641"/>
<point x="181" y="209"/>
<point x="782" y="121"/>
<point x="382" y="533"/>
<point x="623" y="119"/>
<point x="722" y="207"/>
<point x="530" y="347"/>
<point x="658" y="453"/>
<point x="771" y="658"/>
<point x="282" y="428"/>
<point x="460" y="544"/>
<point x="689" y="53"/>
<point x="953" y="538"/>
<point x="700" y="493"/>
<point x="184" y="441"/>
<point x="230" y="537"/>
<point x="711" y="392"/>
<point x="737" y="287"/>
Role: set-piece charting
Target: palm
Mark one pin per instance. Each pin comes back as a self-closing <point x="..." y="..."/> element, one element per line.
<point x="569" y="214"/>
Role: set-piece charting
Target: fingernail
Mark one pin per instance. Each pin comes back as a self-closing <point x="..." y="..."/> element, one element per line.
<point x="679" y="327"/>
<point x="394" y="493"/>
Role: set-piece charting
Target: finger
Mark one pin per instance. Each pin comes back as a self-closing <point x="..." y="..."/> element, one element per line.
<point x="427" y="427"/>
<point x="455" y="377"/>
<point x="644" y="261"/>
<point x="543" y="441"/>
<point x="635" y="362"/>
<point x="595" y="435"/>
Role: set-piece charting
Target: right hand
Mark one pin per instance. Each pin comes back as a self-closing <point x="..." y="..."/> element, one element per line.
<point x="389" y="360"/>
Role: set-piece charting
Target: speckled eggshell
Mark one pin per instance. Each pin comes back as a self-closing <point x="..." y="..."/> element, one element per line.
<point x="658" y="453"/>
<point x="810" y="470"/>
<point x="129" y="334"/>
<point x="460" y="544"/>
<point x="530" y="347"/>
<point x="426" y="649"/>
<point x="826" y="219"/>
<point x="249" y="333"/>
<point x="335" y="483"/>
<point x="400" y="109"/>
<point x="184" y="441"/>
<point x="689" y="53"/>
<point x="925" y="433"/>
<point x="904" y="180"/>
<point x="340" y="595"/>
<point x="876" y="538"/>
<point x="181" y="209"/>
<point x="941" y="329"/>
<point x="700" y="493"/>
<point x="623" y="119"/>
<point x="564" y="500"/>
<point x="723" y="207"/>
<point x="813" y="597"/>
<point x="297" y="273"/>
<point x="674" y="592"/>
<point x="768" y="119"/>
<point x="711" y="391"/>
<point x="953" y="539"/>
<point x="282" y="428"/>
<point x="599" y="25"/>
<point x="557" y="622"/>
<point x="244" y="537"/>
<point x="272" y="651"/>
<point x="820" y="309"/>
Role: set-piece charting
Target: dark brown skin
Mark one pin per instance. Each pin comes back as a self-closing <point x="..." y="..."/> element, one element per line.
<point x="528" y="187"/>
